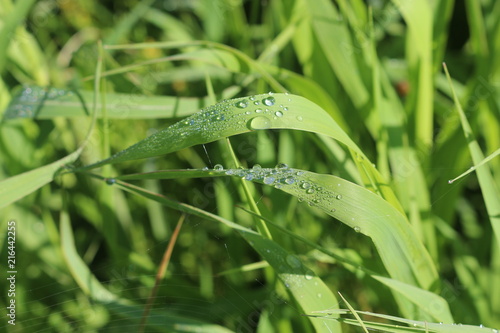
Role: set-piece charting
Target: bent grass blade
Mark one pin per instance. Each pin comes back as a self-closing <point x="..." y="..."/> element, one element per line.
<point x="242" y="115"/>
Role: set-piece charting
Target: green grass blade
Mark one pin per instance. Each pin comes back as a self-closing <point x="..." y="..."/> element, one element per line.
<point x="19" y="186"/>
<point x="418" y="16"/>
<point x="434" y="305"/>
<point x="487" y="183"/>
<point x="11" y="22"/>
<point x="46" y="103"/>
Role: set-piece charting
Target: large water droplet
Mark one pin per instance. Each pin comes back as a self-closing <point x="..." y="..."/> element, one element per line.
<point x="257" y="167"/>
<point x="269" y="101"/>
<point x="281" y="166"/>
<point x="241" y="104"/>
<point x="289" y="180"/>
<point x="248" y="176"/>
<point x="218" y="167"/>
<point x="305" y="185"/>
<point x="293" y="261"/>
<point x="259" y="123"/>
<point x="279" y="114"/>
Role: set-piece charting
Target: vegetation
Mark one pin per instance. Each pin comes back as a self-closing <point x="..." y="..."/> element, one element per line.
<point x="251" y="166"/>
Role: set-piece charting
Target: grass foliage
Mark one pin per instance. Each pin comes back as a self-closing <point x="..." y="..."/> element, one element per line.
<point x="251" y="166"/>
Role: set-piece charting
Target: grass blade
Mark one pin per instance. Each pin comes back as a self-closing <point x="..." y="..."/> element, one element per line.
<point x="487" y="183"/>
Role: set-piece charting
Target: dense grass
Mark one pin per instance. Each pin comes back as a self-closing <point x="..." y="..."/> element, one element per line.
<point x="319" y="164"/>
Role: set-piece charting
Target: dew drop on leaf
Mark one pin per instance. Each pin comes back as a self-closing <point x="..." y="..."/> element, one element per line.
<point x="279" y="114"/>
<point x="110" y="181"/>
<point x="269" y="101"/>
<point x="357" y="229"/>
<point x="305" y="185"/>
<point x="259" y="123"/>
<point x="242" y="104"/>
<point x="218" y="167"/>
<point x="299" y="118"/>
<point x="281" y="166"/>
<point x="339" y="196"/>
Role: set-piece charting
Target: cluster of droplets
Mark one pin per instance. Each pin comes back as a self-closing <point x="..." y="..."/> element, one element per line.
<point x="288" y="179"/>
<point x="261" y="107"/>
<point x="29" y="100"/>
<point x="278" y="176"/>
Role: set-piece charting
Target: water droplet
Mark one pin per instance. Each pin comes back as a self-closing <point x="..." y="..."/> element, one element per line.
<point x="241" y="104"/>
<point x="218" y="167"/>
<point x="300" y="199"/>
<point x="293" y="261"/>
<point x="278" y="186"/>
<point x="289" y="180"/>
<point x="268" y="180"/>
<point x="299" y="118"/>
<point x="256" y="103"/>
<point x="285" y="109"/>
<point x="229" y="172"/>
<point x="319" y="295"/>
<point x="309" y="275"/>
<point x="310" y="191"/>
<point x="258" y="110"/>
<point x="248" y="112"/>
<point x="269" y="101"/>
<point x="110" y="181"/>
<point x="259" y="123"/>
<point x="357" y="229"/>
<point x="278" y="114"/>
<point x="205" y="168"/>
<point x="248" y="177"/>
<point x="333" y="210"/>
<point x="270" y="93"/>
<point x="257" y="167"/>
<point x="305" y="185"/>
<point x="252" y="98"/>
<point x="339" y="196"/>
<point x="281" y="166"/>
